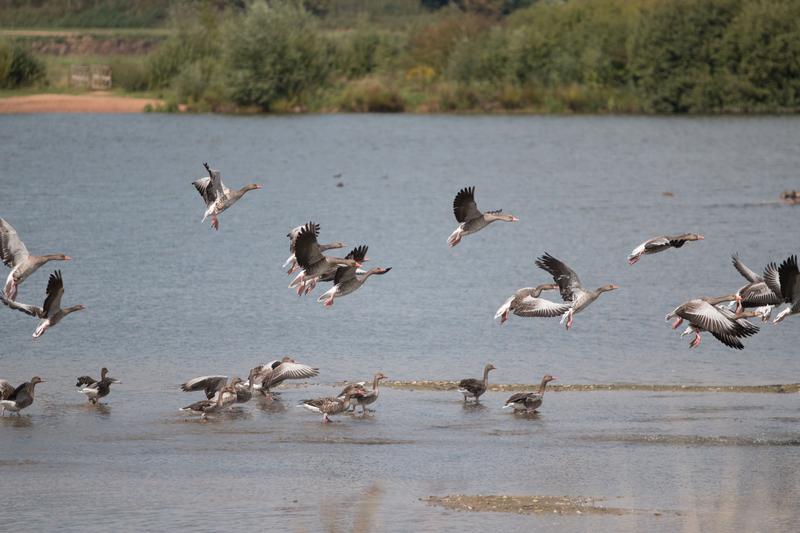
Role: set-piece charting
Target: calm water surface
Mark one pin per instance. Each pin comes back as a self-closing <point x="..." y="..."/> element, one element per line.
<point x="167" y="299"/>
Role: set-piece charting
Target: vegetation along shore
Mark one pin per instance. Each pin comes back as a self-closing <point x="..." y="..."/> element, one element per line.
<point x="600" y="56"/>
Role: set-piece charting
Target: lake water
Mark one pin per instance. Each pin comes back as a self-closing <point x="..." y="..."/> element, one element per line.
<point x="169" y="299"/>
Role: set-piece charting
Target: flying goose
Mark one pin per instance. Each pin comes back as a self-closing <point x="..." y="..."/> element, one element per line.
<point x="526" y="302"/>
<point x="276" y="372"/>
<point x="223" y="398"/>
<point x="17" y="399"/>
<point x="347" y="278"/>
<point x="217" y="196"/>
<point x="96" y="389"/>
<point x="756" y="293"/>
<point x="705" y="315"/>
<point x="475" y="387"/>
<point x="15" y="255"/>
<point x="787" y="284"/>
<point x="365" y="399"/>
<point x="50" y="312"/>
<point x="330" y="406"/>
<point x="738" y="317"/>
<point x="313" y="263"/>
<point x="570" y="287"/>
<point x="529" y="401"/>
<point x="208" y="384"/>
<point x="291" y="261"/>
<point x="470" y="218"/>
<point x="661" y="243"/>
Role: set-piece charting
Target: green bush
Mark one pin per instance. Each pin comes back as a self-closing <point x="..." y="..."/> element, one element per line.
<point x="129" y="74"/>
<point x="371" y="95"/>
<point x="18" y="67"/>
<point x="275" y="52"/>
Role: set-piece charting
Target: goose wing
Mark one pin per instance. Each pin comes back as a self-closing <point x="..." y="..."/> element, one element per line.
<point x="758" y="294"/>
<point x="712" y="319"/>
<point x="12" y="249"/>
<point x="208" y="384"/>
<point x="471" y="385"/>
<point x="790" y="280"/>
<point x="55" y="290"/>
<point x="772" y="279"/>
<point x="519" y="397"/>
<point x="295" y="232"/>
<point x="464" y="205"/>
<point x="28" y="309"/>
<point x="306" y="248"/>
<point x="347" y="273"/>
<point x="210" y="188"/>
<point x="540" y="307"/>
<point x="569" y="284"/>
<point x="291" y="370"/>
<point x="748" y="274"/>
<point x="85" y="380"/>
<point x="6" y="389"/>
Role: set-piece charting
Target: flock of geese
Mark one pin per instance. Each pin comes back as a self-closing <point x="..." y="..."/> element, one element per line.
<point x="779" y="284"/>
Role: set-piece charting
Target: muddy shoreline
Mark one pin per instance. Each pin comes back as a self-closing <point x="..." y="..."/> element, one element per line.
<point x="568" y="505"/>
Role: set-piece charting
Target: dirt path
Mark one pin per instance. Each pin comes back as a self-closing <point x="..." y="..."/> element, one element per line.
<point x="71" y="103"/>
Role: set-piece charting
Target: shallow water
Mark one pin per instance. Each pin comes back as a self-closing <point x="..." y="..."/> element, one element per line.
<point x="170" y="299"/>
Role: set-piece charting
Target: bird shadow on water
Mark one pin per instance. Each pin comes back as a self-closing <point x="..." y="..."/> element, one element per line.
<point x="14" y="421"/>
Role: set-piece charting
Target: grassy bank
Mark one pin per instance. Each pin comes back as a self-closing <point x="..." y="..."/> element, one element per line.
<point x="580" y="56"/>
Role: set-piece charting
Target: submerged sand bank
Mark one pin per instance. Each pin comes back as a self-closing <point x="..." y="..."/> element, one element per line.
<point x="515" y="387"/>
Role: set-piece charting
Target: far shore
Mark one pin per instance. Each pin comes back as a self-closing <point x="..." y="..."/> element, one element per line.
<point x="99" y="102"/>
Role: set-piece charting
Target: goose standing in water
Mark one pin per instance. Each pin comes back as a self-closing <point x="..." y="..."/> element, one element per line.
<point x="217" y="196"/>
<point x="529" y="401"/>
<point x="526" y="302"/>
<point x="331" y="406"/>
<point x="365" y="399"/>
<point x="347" y="278"/>
<point x="470" y="218"/>
<point x="274" y="373"/>
<point x="15" y="255"/>
<point x="475" y="387"/>
<point x="661" y="243"/>
<point x="704" y="315"/>
<point x="785" y="280"/>
<point x="223" y="398"/>
<point x="17" y="399"/>
<point x="96" y="389"/>
<point x="570" y="287"/>
<point x="291" y="262"/>
<point x="50" y="312"/>
<point x="310" y="258"/>
<point x="756" y="293"/>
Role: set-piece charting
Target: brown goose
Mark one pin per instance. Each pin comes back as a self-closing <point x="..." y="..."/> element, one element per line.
<point x="756" y="293"/>
<point x="51" y="312"/>
<point x="217" y="196"/>
<point x="332" y="406"/>
<point x="291" y="262"/>
<point x="367" y="398"/>
<point x="785" y="280"/>
<point x="470" y="218"/>
<point x="276" y="372"/>
<point x="529" y="401"/>
<point x="96" y="389"/>
<point x="347" y="279"/>
<point x="570" y="287"/>
<point x="224" y="398"/>
<point x="526" y="302"/>
<point x="661" y="243"/>
<point x="15" y="255"/>
<point x="17" y="399"/>
<point x="475" y="387"/>
<point x="705" y="315"/>
<point x="310" y="258"/>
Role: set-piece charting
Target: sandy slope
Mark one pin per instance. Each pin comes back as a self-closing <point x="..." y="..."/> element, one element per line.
<point x="68" y="103"/>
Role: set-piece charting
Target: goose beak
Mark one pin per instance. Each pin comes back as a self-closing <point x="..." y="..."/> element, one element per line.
<point x="514" y="219"/>
<point x="700" y="237"/>
<point x="258" y="186"/>
<point x="67" y="258"/>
